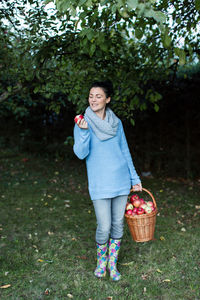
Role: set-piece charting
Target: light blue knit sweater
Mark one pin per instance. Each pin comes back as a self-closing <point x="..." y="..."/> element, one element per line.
<point x="109" y="164"/>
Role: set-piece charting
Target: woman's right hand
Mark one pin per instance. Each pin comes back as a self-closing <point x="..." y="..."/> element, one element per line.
<point x="82" y="124"/>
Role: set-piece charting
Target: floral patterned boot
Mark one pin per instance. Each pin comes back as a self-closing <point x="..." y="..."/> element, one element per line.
<point x="114" y="246"/>
<point x="100" y="270"/>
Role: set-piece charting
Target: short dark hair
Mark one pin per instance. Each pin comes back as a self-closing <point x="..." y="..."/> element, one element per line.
<point x="107" y="87"/>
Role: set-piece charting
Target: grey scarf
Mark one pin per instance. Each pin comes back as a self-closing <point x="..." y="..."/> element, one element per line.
<point x="103" y="129"/>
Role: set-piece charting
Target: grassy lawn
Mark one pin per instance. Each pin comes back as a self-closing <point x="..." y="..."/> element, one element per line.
<point x="47" y="231"/>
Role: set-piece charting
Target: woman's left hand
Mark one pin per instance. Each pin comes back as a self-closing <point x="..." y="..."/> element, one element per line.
<point x="137" y="187"/>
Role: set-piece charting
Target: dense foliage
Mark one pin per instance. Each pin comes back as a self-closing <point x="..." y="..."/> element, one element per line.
<point x="50" y="54"/>
<point x="132" y="42"/>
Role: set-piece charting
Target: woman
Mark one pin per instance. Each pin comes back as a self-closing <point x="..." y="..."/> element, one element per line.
<point x="100" y="139"/>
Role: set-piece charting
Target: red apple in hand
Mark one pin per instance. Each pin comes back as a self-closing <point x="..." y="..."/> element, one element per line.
<point x="78" y="117"/>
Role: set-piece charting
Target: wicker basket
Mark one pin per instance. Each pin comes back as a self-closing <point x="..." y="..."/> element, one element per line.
<point x="142" y="227"/>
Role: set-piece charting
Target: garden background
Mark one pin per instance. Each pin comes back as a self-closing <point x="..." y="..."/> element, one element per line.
<point x="49" y="55"/>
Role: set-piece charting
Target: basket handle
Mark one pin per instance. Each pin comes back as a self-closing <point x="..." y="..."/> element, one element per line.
<point x="150" y="194"/>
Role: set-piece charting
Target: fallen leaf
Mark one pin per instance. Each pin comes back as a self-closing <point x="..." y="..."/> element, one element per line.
<point x="50" y="233"/>
<point x="144" y="276"/>
<point x="127" y="264"/>
<point x="40" y="260"/>
<point x="47" y="292"/>
<point x="166" y="280"/>
<point x="5" y="286"/>
<point x="70" y="296"/>
<point x="109" y="298"/>
<point x="73" y="239"/>
<point x="82" y="257"/>
<point x="183" y="229"/>
<point x="179" y="222"/>
<point x="159" y="271"/>
<point x="197" y="206"/>
<point x="162" y="238"/>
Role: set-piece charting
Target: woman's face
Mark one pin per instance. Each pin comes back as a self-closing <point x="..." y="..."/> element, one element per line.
<point x="97" y="99"/>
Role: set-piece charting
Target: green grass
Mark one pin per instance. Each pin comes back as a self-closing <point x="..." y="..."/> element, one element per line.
<point x="47" y="237"/>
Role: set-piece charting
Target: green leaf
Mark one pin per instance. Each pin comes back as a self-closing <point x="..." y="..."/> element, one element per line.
<point x="36" y="90"/>
<point x="104" y="47"/>
<point x="48" y="1"/>
<point x="167" y="40"/>
<point x="156" y="107"/>
<point x="132" y="122"/>
<point x="92" y="49"/>
<point x="89" y="3"/>
<point x="81" y="2"/>
<point x="158" y="16"/>
<point x="90" y="33"/>
<point x="134" y="102"/>
<point x="124" y="13"/>
<point x="197" y="4"/>
<point x="182" y="57"/>
<point x="138" y="33"/>
<point x="132" y="4"/>
<point x="63" y="6"/>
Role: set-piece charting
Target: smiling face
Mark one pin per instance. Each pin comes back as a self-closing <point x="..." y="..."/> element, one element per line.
<point x="98" y="100"/>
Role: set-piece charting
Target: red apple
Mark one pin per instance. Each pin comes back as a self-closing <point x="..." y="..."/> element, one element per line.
<point x="148" y="209"/>
<point x="129" y="206"/>
<point x="140" y="211"/>
<point x="143" y="206"/>
<point x="134" y="197"/>
<point x="129" y="212"/>
<point x="78" y="117"/>
<point x="133" y="214"/>
<point x="135" y="210"/>
<point x="150" y="203"/>
<point x="136" y="203"/>
<point x="142" y="201"/>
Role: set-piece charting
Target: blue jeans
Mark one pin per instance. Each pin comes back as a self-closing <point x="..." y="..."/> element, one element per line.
<point x="110" y="218"/>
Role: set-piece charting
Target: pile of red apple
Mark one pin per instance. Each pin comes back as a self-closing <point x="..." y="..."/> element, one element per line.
<point x="137" y="206"/>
